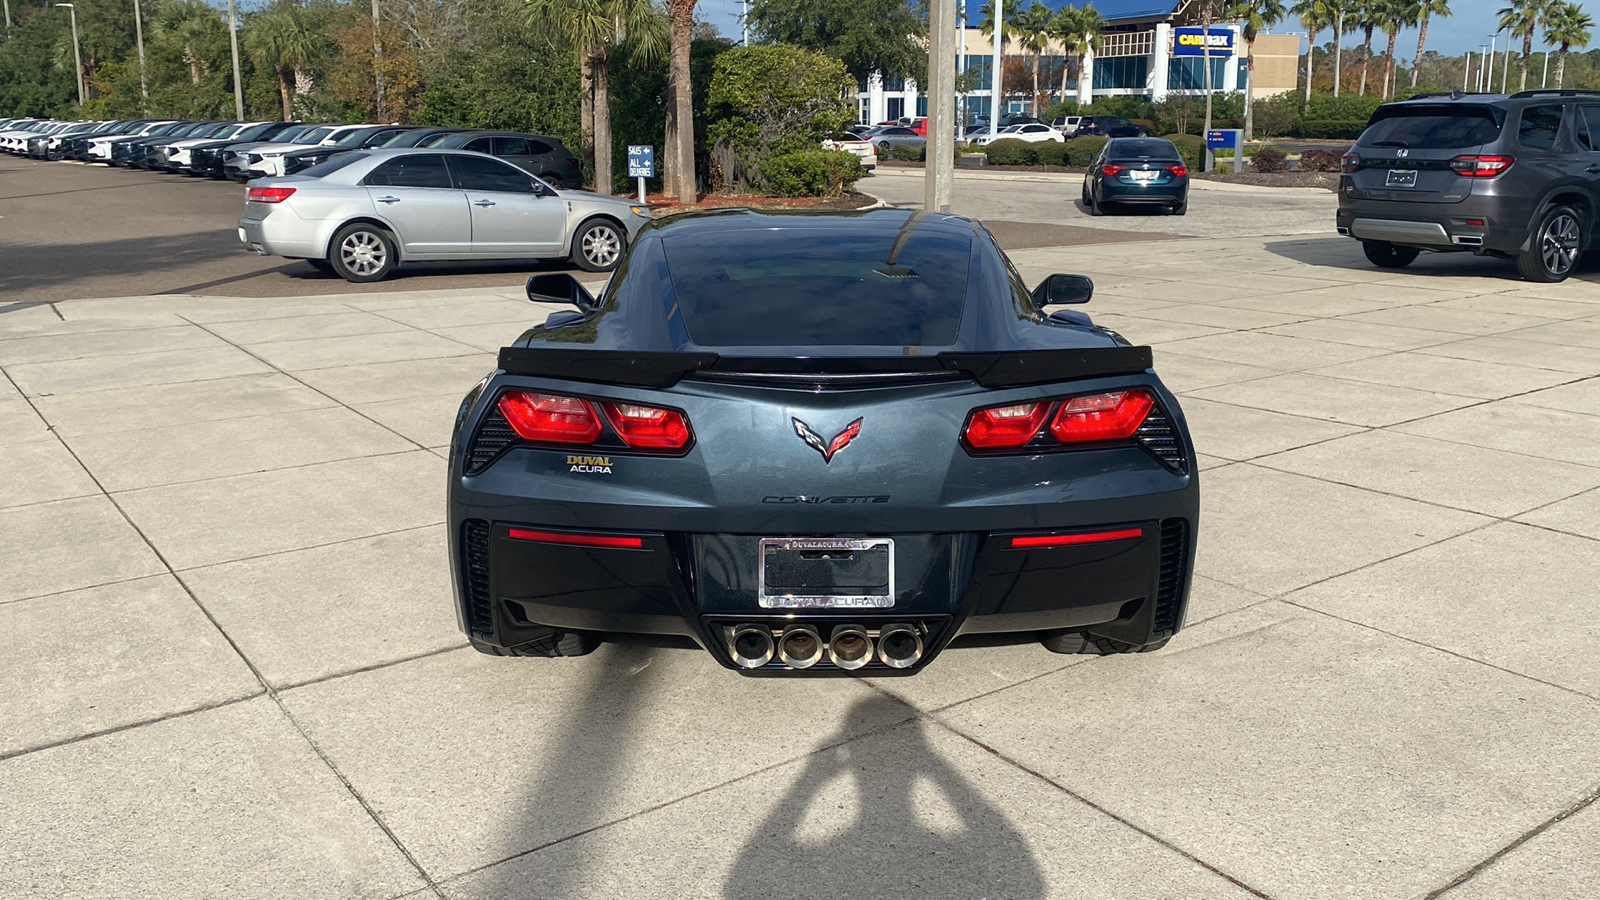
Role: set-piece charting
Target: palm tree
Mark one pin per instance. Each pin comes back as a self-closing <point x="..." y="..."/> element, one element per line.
<point x="1078" y="29"/>
<point x="1393" y="15"/>
<point x="281" y="39"/>
<point x="680" y="109"/>
<point x="1337" y="9"/>
<point x="1425" y="9"/>
<point x="1522" y="18"/>
<point x="1566" y="25"/>
<point x="1032" y="28"/>
<point x="597" y="29"/>
<point x="1368" y="16"/>
<point x="187" y="25"/>
<point x="1253" y="15"/>
<point x="1314" y="17"/>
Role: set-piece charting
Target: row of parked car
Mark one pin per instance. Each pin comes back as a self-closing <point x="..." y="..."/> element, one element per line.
<point x="244" y="150"/>
<point x="912" y="131"/>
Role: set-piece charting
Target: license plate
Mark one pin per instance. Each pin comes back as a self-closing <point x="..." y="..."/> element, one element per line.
<point x="826" y="573"/>
<point x="1401" y="178"/>
<point x="1143" y="175"/>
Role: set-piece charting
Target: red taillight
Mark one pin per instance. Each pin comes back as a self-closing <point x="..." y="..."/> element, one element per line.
<point x="647" y="426"/>
<point x="1113" y="169"/>
<point x="268" y="194"/>
<point x="1480" y="166"/>
<point x="1062" y="540"/>
<point x="1350" y="162"/>
<point x="579" y="540"/>
<point x="549" y="418"/>
<point x="1476" y="223"/>
<point x="1111" y="416"/>
<point x="1178" y="171"/>
<point x="1002" y="427"/>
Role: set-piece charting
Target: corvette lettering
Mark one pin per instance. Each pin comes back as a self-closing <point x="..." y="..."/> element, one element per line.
<point x="840" y="499"/>
<point x="594" y="465"/>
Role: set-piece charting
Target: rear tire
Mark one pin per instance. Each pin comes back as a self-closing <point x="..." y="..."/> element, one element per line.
<point x="1074" y="642"/>
<point x="555" y="181"/>
<point x="362" y="253"/>
<point x="598" y="246"/>
<point x="1095" y="209"/>
<point x="1554" y="248"/>
<point x="1181" y="208"/>
<point x="1385" y="255"/>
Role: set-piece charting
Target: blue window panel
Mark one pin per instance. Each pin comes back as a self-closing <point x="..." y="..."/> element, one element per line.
<point x="1189" y="73"/>
<point x="1121" y="72"/>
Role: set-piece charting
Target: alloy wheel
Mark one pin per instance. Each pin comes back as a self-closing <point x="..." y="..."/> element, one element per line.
<point x="363" y="252"/>
<point x="601" y="246"/>
<point x="1558" y="245"/>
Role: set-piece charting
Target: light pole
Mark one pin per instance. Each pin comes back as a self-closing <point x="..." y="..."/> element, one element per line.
<point x="1544" y="81"/>
<point x="994" y="98"/>
<point x="377" y="60"/>
<point x="144" y="86"/>
<point x="77" y="56"/>
<point x="1493" y="40"/>
<point x="233" y="43"/>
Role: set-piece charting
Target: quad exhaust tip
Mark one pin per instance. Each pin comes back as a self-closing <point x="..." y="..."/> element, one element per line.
<point x="899" y="646"/>
<point x="849" y="647"/>
<point x="800" y="647"/>
<point x="752" y="646"/>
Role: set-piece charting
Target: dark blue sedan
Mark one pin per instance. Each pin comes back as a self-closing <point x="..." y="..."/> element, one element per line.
<point x="1147" y="171"/>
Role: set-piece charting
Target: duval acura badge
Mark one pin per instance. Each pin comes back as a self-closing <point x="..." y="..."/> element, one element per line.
<point x="1043" y="480"/>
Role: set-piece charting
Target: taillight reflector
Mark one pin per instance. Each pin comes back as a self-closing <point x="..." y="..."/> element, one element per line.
<point x="1477" y="223"/>
<point x="1113" y="169"/>
<point x="550" y="418"/>
<point x="268" y="194"/>
<point x="1111" y="416"/>
<point x="1480" y="166"/>
<point x="1001" y="427"/>
<point x="1061" y="540"/>
<point x="579" y="540"/>
<point x="648" y="426"/>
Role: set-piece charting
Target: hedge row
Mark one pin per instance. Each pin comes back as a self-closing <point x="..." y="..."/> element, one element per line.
<point x="813" y="173"/>
<point x="1075" y="152"/>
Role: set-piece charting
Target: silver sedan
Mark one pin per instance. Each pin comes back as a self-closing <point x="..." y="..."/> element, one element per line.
<point x="363" y="213"/>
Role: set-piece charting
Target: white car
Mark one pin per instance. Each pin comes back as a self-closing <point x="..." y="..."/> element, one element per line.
<point x="856" y="144"/>
<point x="265" y="159"/>
<point x="1067" y="125"/>
<point x="1032" y="133"/>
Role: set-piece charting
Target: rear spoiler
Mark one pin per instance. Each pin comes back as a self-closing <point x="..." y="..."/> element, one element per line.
<point x="1015" y="368"/>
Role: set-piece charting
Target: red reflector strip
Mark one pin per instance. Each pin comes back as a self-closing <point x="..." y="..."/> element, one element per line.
<point x="580" y="540"/>
<point x="1061" y="540"/>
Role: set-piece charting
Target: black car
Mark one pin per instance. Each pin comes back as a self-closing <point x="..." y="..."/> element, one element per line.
<point x="1137" y="171"/>
<point x="538" y="154"/>
<point x="820" y="444"/>
<point x="1513" y="177"/>
<point x="419" y="137"/>
<point x="206" y="158"/>
<point x="297" y="161"/>
<point x="1109" y="126"/>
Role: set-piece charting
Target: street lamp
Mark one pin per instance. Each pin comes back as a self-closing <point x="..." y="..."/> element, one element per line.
<point x="77" y="56"/>
<point x="144" y="85"/>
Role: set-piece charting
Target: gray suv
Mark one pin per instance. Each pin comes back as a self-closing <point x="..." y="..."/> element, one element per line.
<point x="1515" y="177"/>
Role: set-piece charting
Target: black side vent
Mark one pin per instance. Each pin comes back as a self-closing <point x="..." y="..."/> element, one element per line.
<point x="494" y="436"/>
<point x="1174" y="553"/>
<point x="1159" y="437"/>
<point x="475" y="575"/>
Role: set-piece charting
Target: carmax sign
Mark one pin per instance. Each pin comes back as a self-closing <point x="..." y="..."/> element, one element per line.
<point x="1193" y="41"/>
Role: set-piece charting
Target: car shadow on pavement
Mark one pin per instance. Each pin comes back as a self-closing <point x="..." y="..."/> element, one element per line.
<point x="1345" y="253"/>
<point x="885" y="816"/>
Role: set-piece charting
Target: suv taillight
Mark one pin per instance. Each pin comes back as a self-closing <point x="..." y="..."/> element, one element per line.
<point x="554" y="419"/>
<point x="1481" y="166"/>
<point x="1350" y="162"/>
<point x="1109" y="416"/>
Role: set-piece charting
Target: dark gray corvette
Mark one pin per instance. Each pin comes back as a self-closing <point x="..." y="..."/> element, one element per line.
<point x="820" y="444"/>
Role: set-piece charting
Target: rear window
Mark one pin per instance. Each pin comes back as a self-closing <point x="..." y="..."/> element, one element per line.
<point x="824" y="288"/>
<point x="1151" y="149"/>
<point x="1433" y="127"/>
<point x="332" y="164"/>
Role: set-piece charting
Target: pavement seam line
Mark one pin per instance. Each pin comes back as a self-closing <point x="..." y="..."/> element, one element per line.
<point x="261" y="681"/>
<point x="374" y="667"/>
<point x="165" y="717"/>
<point x="1215" y="870"/>
<point x="1573" y="809"/>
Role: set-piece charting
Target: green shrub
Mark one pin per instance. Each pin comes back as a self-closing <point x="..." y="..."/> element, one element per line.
<point x="812" y="173"/>
<point x="1332" y="129"/>
<point x="1321" y="160"/>
<point x="1012" y="152"/>
<point x="1064" y="108"/>
<point x="1082" y="150"/>
<point x="1191" y="148"/>
<point x="1052" y="153"/>
<point x="907" y="154"/>
<point x="1269" y="159"/>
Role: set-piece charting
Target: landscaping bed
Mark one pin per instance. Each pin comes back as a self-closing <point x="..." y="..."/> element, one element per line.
<point x="661" y="204"/>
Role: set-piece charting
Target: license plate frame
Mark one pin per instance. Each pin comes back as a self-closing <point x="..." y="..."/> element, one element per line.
<point x="1143" y="174"/>
<point x="816" y="597"/>
<point x="1401" y="178"/>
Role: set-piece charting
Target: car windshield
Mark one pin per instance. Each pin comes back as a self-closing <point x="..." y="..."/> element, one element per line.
<point x="1433" y="127"/>
<point x="803" y="287"/>
<point x="314" y="135"/>
<point x="1143" y="149"/>
<point x="1011" y="129"/>
<point x="354" y="137"/>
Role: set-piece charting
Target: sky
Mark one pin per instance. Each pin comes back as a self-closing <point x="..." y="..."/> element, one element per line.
<point x="1470" y="25"/>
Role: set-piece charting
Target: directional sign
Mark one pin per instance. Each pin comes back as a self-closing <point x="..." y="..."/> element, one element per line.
<point x="1228" y="137"/>
<point x="641" y="161"/>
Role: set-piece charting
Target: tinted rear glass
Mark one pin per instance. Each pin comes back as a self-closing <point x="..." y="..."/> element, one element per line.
<point x="824" y="288"/>
<point x="1152" y="149"/>
<point x="1433" y="127"/>
<point x="1539" y="126"/>
<point x="333" y="164"/>
<point x="421" y="170"/>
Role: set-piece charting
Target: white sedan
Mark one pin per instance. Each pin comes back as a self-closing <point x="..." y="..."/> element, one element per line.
<point x="850" y="143"/>
<point x="1033" y="133"/>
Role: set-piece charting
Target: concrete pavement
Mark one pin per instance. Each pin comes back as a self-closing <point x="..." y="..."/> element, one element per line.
<point x="232" y="666"/>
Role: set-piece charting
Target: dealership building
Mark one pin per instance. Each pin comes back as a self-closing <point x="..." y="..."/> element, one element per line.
<point x="1148" y="48"/>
